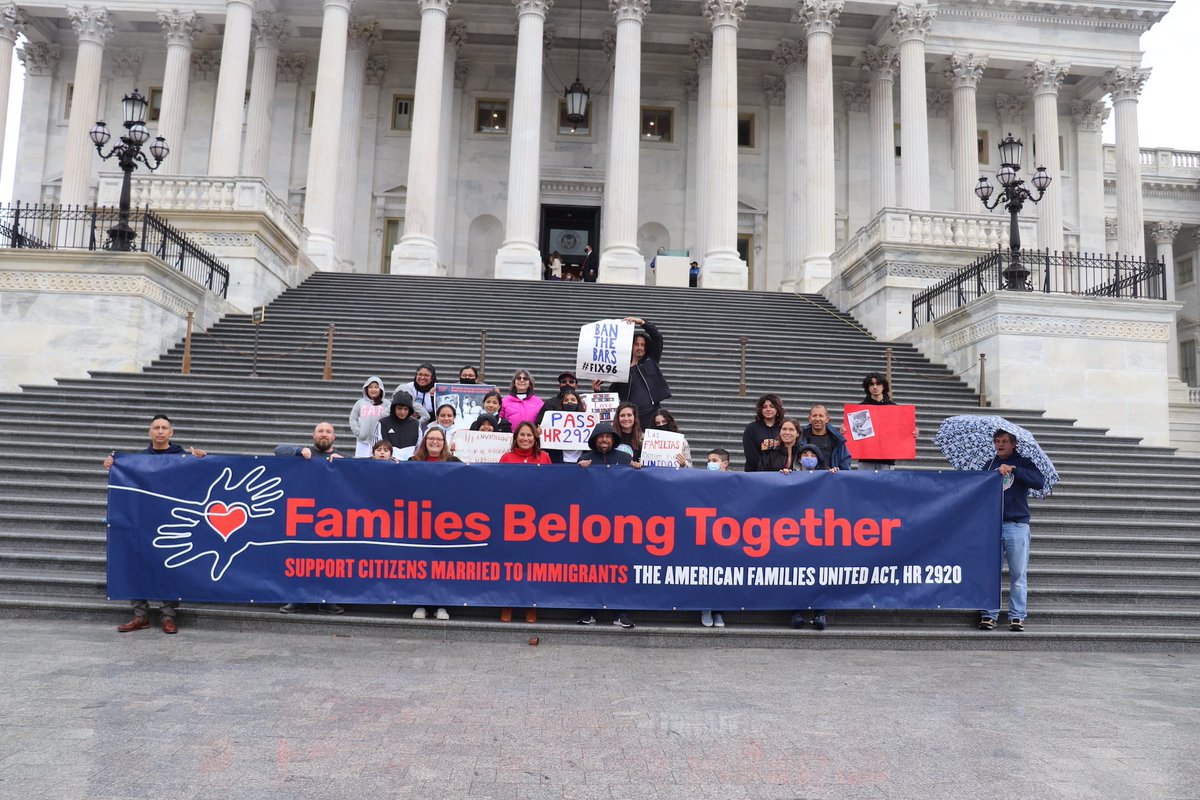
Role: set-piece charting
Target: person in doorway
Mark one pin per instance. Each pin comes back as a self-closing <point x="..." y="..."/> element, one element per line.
<point x="589" y="268"/>
<point x="694" y="274"/>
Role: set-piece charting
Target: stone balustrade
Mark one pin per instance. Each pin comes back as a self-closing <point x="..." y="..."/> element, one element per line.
<point x="190" y="193"/>
<point x="1160" y="162"/>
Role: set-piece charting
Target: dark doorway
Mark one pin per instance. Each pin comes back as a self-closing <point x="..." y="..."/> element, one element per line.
<point x="567" y="229"/>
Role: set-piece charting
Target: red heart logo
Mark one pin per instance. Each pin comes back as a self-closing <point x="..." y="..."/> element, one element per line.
<point x="226" y="520"/>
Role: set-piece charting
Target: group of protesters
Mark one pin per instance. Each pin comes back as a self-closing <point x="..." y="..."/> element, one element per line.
<point x="416" y="423"/>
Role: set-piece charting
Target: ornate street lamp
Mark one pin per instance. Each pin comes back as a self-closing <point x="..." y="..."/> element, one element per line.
<point x="1013" y="195"/>
<point x="128" y="152"/>
<point x="576" y="95"/>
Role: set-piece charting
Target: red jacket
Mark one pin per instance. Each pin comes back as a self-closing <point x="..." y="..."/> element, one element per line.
<point x="524" y="457"/>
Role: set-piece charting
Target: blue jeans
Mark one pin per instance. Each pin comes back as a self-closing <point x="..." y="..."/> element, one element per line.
<point x="1014" y="543"/>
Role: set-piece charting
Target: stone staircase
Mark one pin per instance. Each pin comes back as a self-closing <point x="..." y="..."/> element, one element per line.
<point x="1116" y="554"/>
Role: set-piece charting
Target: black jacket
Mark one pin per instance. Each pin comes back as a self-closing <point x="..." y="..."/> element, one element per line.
<point x="400" y="433"/>
<point x="754" y="437"/>
<point x="646" y="388"/>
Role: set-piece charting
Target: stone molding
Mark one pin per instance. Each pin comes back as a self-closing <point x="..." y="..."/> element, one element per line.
<point x="1089" y="115"/>
<point x="856" y="96"/>
<point x="721" y="13"/>
<point x="691" y="84"/>
<point x="700" y="49"/>
<point x="635" y="10"/>
<point x="376" y="70"/>
<point x="1110" y="228"/>
<point x="206" y="65"/>
<point x="462" y="68"/>
<point x="539" y="7"/>
<point x="819" y="16"/>
<point x="791" y="55"/>
<point x="12" y="22"/>
<point x="1035" y="325"/>
<point x="1056" y="12"/>
<point x="880" y="62"/>
<point x="126" y="63"/>
<point x="87" y="283"/>
<point x="270" y="30"/>
<point x="362" y="34"/>
<point x="775" y="89"/>
<point x="938" y="103"/>
<point x="180" y="27"/>
<point x="965" y="71"/>
<point x="1045" y="77"/>
<point x="456" y="34"/>
<point x="40" y="58"/>
<point x="290" y="67"/>
<point x="912" y="22"/>
<point x="429" y="5"/>
<point x="1165" y="232"/>
<point x="1011" y="108"/>
<point x="91" y="23"/>
<point x="1125" y="83"/>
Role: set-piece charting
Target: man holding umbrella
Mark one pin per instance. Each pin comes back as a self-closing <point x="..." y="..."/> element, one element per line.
<point x="1020" y="475"/>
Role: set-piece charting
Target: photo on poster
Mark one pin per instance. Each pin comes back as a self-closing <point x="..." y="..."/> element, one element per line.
<point x="861" y="426"/>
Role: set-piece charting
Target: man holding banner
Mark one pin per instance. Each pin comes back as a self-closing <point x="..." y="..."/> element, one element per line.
<point x="646" y="387"/>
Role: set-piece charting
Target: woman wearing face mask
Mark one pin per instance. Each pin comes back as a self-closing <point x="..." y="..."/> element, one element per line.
<point x="491" y="403"/>
<point x="521" y="404"/>
<point x="629" y="432"/>
<point x="665" y="421"/>
<point x="421" y="390"/>
<point x="785" y="456"/>
<point x="763" y="433"/>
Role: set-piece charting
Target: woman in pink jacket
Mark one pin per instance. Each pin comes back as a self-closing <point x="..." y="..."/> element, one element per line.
<point x="521" y="404"/>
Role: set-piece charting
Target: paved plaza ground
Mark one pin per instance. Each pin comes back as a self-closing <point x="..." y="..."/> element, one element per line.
<point x="86" y="712"/>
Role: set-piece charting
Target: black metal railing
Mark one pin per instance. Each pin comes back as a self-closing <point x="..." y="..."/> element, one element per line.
<point x="1080" y="274"/>
<point x="52" y="227"/>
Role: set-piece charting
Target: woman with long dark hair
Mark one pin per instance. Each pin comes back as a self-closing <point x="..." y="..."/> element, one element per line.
<point x="763" y="433"/>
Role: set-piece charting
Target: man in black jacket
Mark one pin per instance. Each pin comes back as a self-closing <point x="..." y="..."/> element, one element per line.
<point x="646" y="387"/>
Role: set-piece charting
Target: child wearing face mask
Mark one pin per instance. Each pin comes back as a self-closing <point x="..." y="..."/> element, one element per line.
<point x="809" y="461"/>
<point x="718" y="461"/>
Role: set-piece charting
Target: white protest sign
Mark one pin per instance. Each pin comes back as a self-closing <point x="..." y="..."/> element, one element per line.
<point x="602" y="404"/>
<point x="404" y="453"/>
<point x="662" y="448"/>
<point x="605" y="350"/>
<point x="467" y="399"/>
<point x="481" y="447"/>
<point x="567" y="430"/>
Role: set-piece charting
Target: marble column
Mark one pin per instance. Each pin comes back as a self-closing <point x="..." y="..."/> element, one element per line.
<point x="1044" y="79"/>
<point x="519" y="256"/>
<point x="1089" y="116"/>
<point x="289" y="72"/>
<point x="767" y="272"/>
<point x="363" y="253"/>
<point x="93" y="27"/>
<point x="270" y="31"/>
<point x="361" y="35"/>
<point x="417" y="252"/>
<point x="1163" y="234"/>
<point x="819" y="18"/>
<point x="856" y="102"/>
<point x="964" y="73"/>
<point x="320" y="194"/>
<point x="723" y="268"/>
<point x="911" y="25"/>
<point x="225" y="149"/>
<point x="620" y="261"/>
<point x="881" y="63"/>
<point x="179" y="29"/>
<point x="701" y="50"/>
<point x="1110" y="236"/>
<point x="12" y="24"/>
<point x="792" y="56"/>
<point x="40" y="61"/>
<point x="1125" y="84"/>
<point x="456" y="40"/>
<point x="1012" y="111"/>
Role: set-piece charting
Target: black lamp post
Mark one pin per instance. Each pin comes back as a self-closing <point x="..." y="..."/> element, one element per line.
<point x="1013" y="195"/>
<point x="128" y="153"/>
<point x="576" y="94"/>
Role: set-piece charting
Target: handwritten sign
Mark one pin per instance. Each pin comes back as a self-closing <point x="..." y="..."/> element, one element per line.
<point x="467" y="399"/>
<point x="567" y="430"/>
<point x="662" y="448"/>
<point x="481" y="447"/>
<point x="602" y="404"/>
<point x="605" y="350"/>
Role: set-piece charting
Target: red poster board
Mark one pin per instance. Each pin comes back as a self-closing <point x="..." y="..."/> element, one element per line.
<point x="880" y="433"/>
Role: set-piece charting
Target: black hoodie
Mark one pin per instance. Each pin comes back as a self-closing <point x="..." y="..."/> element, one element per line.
<point x="400" y="432"/>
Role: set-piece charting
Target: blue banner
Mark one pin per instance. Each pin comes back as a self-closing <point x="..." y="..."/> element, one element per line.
<point x="226" y="529"/>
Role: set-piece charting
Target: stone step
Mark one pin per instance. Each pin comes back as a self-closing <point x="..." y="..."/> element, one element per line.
<point x="25" y="541"/>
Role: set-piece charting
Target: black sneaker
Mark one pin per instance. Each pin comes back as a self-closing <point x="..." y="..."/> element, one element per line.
<point x="588" y="620"/>
<point x="819" y="622"/>
<point x="1016" y="625"/>
<point x="797" y="620"/>
<point x="623" y="621"/>
<point x="987" y="623"/>
<point x="331" y="608"/>
<point x="289" y="608"/>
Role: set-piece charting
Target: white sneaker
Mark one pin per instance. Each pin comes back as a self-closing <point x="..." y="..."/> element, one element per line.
<point x="706" y="619"/>
<point x="718" y="620"/>
<point x="419" y="613"/>
<point x="442" y="614"/>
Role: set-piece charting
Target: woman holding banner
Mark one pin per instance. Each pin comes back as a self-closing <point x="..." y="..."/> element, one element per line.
<point x="665" y="421"/>
<point x="433" y="447"/>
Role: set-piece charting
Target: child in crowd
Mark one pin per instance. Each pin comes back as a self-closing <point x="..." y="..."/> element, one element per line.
<point x="763" y="433"/>
<point x="491" y="403"/>
<point x="400" y="427"/>
<point x="446" y="419"/>
<point x="365" y="416"/>
<point x="718" y="461"/>
<point x="485" y="423"/>
<point x="382" y="451"/>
